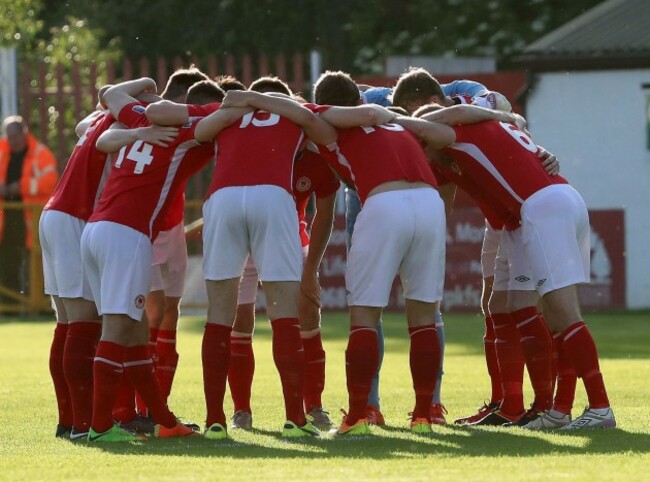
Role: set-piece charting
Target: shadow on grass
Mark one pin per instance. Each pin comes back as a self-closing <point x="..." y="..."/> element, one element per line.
<point x="400" y="444"/>
<point x="619" y="335"/>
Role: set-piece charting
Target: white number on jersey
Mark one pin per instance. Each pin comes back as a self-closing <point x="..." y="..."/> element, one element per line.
<point x="388" y="127"/>
<point x="139" y="152"/>
<point x="525" y="141"/>
<point x="249" y="118"/>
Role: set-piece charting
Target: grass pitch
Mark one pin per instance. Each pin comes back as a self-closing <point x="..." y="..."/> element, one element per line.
<point x="29" y="451"/>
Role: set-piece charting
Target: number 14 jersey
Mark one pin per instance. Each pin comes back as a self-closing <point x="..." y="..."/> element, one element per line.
<point x="145" y="179"/>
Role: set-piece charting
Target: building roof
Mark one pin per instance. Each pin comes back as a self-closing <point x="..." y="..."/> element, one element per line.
<point x="614" y="34"/>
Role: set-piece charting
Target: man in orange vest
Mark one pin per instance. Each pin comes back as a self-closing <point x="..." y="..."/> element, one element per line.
<point x="28" y="174"/>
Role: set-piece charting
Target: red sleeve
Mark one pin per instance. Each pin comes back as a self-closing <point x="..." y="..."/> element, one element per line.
<point x="132" y="115"/>
<point x="202" y="110"/>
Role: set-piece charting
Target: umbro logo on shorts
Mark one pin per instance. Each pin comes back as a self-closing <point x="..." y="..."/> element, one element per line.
<point x="348" y="292"/>
<point x="139" y="302"/>
<point x="541" y="282"/>
<point x="522" y="278"/>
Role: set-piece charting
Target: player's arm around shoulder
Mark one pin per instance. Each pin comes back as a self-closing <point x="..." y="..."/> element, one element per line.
<point x="437" y="135"/>
<point x="208" y="127"/>
<point x="357" y="116"/>
<point x="167" y="113"/>
<point x="118" y="136"/>
<point x="120" y="95"/>
<point x="467" y="114"/>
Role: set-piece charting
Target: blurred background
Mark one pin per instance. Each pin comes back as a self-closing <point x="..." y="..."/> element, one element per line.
<point x="579" y="70"/>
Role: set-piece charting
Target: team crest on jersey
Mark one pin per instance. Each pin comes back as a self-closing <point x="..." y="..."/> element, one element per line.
<point x="139" y="302"/>
<point x="138" y="108"/>
<point x="303" y="184"/>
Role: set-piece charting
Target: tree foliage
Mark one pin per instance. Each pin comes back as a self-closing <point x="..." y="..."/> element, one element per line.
<point x="353" y="35"/>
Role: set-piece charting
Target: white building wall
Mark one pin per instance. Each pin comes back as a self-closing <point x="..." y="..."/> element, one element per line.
<point x="595" y="122"/>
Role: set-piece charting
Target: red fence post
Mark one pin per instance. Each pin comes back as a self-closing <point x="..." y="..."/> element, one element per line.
<point x="161" y="71"/>
<point x="297" y="84"/>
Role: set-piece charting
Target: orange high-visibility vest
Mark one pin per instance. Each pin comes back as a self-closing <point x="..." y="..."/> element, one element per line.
<point x="37" y="182"/>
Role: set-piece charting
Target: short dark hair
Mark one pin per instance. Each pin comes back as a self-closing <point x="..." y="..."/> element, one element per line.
<point x="180" y="82"/>
<point x="336" y="88"/>
<point x="398" y="110"/>
<point x="426" y="108"/>
<point x="205" y="92"/>
<point x="228" y="82"/>
<point x="416" y="86"/>
<point x="270" y="84"/>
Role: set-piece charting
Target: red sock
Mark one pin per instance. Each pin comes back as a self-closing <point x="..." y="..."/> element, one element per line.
<point x="78" y="356"/>
<point x="537" y="348"/>
<point x="361" y="361"/>
<point x="107" y="372"/>
<point x="61" y="391"/>
<point x="215" y="354"/>
<point x="425" y="364"/>
<point x="242" y="368"/>
<point x="124" y="407"/>
<point x="314" y="369"/>
<point x="166" y="360"/>
<point x="581" y="349"/>
<point x="139" y="368"/>
<point x="492" y="361"/>
<point x="289" y="358"/>
<point x="511" y="363"/>
<point x="151" y="350"/>
<point x="566" y="378"/>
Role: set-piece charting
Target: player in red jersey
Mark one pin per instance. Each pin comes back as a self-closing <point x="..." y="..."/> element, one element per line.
<point x="311" y="175"/>
<point x="551" y="248"/>
<point x="250" y="210"/>
<point x="396" y="187"/>
<point x="515" y="333"/>
<point x="169" y="261"/>
<point x="117" y="249"/>
<point x="60" y="227"/>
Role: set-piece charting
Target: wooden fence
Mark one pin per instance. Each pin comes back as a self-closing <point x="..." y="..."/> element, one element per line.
<point x="53" y="98"/>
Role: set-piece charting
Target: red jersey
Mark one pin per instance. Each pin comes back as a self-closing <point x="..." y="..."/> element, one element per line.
<point x="370" y="156"/>
<point x="176" y="209"/>
<point x="257" y="150"/>
<point x="145" y="179"/>
<point x="496" y="214"/>
<point x="503" y="160"/>
<point x="311" y="174"/>
<point x="84" y="174"/>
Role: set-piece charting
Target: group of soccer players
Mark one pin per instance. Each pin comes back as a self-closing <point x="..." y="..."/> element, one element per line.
<point x="114" y="251"/>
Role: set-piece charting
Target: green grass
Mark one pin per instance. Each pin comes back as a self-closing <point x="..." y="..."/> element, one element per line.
<point x="29" y="451"/>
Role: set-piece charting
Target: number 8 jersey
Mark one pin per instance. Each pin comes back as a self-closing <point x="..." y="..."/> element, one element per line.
<point x="502" y="159"/>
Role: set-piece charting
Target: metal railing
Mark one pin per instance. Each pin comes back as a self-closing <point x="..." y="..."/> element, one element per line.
<point x="33" y="300"/>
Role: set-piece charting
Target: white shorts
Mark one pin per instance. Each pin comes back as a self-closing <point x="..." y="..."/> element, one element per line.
<point x="250" y="281"/>
<point x="555" y="232"/>
<point x="513" y="272"/>
<point x="60" y="237"/>
<point x="117" y="260"/>
<point x="257" y="220"/>
<point x="169" y="262"/>
<point x="489" y="250"/>
<point x="398" y="232"/>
